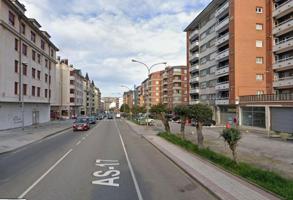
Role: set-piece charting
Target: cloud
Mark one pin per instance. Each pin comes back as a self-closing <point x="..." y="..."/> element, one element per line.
<point x="101" y="37"/>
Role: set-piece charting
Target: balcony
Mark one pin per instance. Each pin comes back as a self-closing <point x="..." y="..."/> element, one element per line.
<point x="286" y="82"/>
<point x="175" y="80"/>
<point x="222" y="101"/>
<point x="283" y="64"/>
<point x="222" y="9"/>
<point x="193" y="34"/>
<point x="223" y="39"/>
<point x="194" y="68"/>
<point x="222" y="55"/>
<point x="222" y="71"/>
<point x="194" y="90"/>
<point x="283" y="27"/>
<point x="194" y="45"/>
<point x="194" y="101"/>
<point x="283" y="9"/>
<point x="266" y="98"/>
<point x="283" y="45"/>
<point x="222" y="86"/>
<point x="165" y="89"/>
<point x="194" y="56"/>
<point x="222" y="24"/>
<point x="194" y="79"/>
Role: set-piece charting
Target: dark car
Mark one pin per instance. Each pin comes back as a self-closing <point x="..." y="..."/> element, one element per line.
<point x="92" y="120"/>
<point x="110" y="116"/>
<point x="81" y="124"/>
<point x="209" y="122"/>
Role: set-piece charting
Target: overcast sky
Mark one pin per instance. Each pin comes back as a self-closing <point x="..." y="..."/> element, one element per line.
<point x="102" y="36"/>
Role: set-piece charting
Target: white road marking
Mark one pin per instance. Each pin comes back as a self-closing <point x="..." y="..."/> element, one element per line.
<point x="78" y="143"/>
<point x="129" y="164"/>
<point x="44" y="175"/>
<point x="111" y="168"/>
<point x="83" y="138"/>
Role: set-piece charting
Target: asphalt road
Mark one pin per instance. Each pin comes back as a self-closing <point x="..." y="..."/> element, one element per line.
<point x="108" y="162"/>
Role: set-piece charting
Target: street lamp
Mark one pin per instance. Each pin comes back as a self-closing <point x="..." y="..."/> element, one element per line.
<point x="149" y="72"/>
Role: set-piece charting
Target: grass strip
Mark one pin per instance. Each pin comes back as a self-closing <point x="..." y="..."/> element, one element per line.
<point x="264" y="178"/>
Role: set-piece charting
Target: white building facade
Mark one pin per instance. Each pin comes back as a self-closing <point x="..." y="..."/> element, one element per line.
<point x="27" y="62"/>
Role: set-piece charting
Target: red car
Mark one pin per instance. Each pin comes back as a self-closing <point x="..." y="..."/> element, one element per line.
<point x="81" y="124"/>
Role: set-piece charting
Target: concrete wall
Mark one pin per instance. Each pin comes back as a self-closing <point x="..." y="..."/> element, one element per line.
<point x="11" y="114"/>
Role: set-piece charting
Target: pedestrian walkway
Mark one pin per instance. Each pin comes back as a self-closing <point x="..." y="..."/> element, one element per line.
<point x="221" y="183"/>
<point x="15" y="138"/>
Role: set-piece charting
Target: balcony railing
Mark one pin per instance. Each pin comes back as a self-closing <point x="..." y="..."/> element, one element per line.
<point x="222" y="101"/>
<point x="223" y="54"/>
<point x="194" y="68"/>
<point x="285" y="63"/>
<point x="222" y="70"/>
<point x="283" y="82"/>
<point x="222" y="24"/>
<point x="283" y="27"/>
<point x="222" y="39"/>
<point x="194" y="33"/>
<point x="283" y="8"/>
<point x="267" y="98"/>
<point x="193" y="45"/>
<point x="222" y="9"/>
<point x="194" y="56"/>
<point x="194" y="90"/>
<point x="194" y="79"/>
<point x="283" y="45"/>
<point x="222" y="86"/>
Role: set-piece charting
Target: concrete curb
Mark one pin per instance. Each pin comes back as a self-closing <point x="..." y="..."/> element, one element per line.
<point x="194" y="178"/>
<point x="42" y="138"/>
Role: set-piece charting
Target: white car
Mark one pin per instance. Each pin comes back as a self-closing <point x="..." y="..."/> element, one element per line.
<point x="118" y="115"/>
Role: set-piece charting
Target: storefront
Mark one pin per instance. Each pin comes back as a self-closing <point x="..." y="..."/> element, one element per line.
<point x="253" y="116"/>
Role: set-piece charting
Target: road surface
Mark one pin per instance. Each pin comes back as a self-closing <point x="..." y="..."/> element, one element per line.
<point x="108" y="162"/>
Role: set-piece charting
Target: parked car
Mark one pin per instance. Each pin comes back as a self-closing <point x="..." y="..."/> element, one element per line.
<point x="110" y="116"/>
<point x="81" y="124"/>
<point x="100" y="116"/>
<point x="207" y="123"/>
<point x="118" y="115"/>
<point x="144" y="121"/>
<point x="92" y="120"/>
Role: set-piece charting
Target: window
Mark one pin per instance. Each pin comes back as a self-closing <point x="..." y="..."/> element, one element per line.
<point x="11" y="18"/>
<point x="33" y="36"/>
<point x="259" y="92"/>
<point x="52" y="53"/>
<point x="16" y="66"/>
<point x="259" y="60"/>
<point x="33" y="91"/>
<point x="39" y="74"/>
<point x="259" y="43"/>
<point x="39" y="58"/>
<point x="23" y="28"/>
<point x="46" y="78"/>
<point x="259" y="27"/>
<point x="15" y="88"/>
<point x="16" y="44"/>
<point x="33" y="55"/>
<point x="49" y="93"/>
<point x="259" y="77"/>
<point x="43" y="44"/>
<point x="24" y="49"/>
<point x="49" y="79"/>
<point x="71" y="82"/>
<point x="46" y="63"/>
<point x="24" y="69"/>
<point x="71" y="91"/>
<point x="71" y="100"/>
<point x="46" y="93"/>
<point x="24" y="89"/>
<point x="38" y="91"/>
<point x="72" y="73"/>
<point x="33" y="72"/>
<point x="259" y="10"/>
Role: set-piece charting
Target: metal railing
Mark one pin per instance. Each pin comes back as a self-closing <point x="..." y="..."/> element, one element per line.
<point x="284" y="3"/>
<point x="284" y="59"/>
<point x="267" y="98"/>
<point x="284" y="41"/>
<point x="284" y="22"/>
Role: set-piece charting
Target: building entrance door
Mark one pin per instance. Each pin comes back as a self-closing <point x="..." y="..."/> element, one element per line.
<point x="36" y="117"/>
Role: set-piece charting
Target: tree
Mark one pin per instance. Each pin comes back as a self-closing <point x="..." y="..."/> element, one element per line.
<point x="232" y="136"/>
<point x="125" y="108"/>
<point x="201" y="113"/>
<point x="137" y="109"/>
<point x="183" y="112"/>
<point x="160" y="110"/>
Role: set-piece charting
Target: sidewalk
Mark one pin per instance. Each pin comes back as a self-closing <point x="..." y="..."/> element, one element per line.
<point x="222" y="184"/>
<point x="15" y="138"/>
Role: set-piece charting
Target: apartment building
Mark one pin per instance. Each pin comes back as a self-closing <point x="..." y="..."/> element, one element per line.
<point x="110" y="102"/>
<point x="60" y="105"/>
<point x="75" y="91"/>
<point x="144" y="92"/>
<point x="229" y="54"/>
<point x="97" y="99"/>
<point x="27" y="60"/>
<point x="128" y="98"/>
<point x="174" y="88"/>
<point x="154" y="89"/>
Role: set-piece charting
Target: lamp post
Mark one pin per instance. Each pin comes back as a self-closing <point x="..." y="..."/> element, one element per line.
<point x="149" y="72"/>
